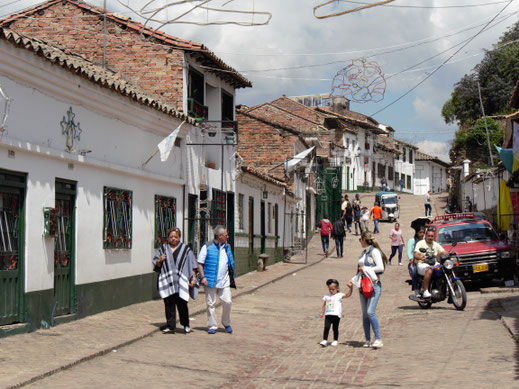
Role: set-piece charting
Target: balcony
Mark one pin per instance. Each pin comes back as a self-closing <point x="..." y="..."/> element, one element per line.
<point x="197" y="110"/>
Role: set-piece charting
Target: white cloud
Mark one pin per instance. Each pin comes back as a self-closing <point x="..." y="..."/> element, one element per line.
<point x="436" y="149"/>
<point x="294" y="31"/>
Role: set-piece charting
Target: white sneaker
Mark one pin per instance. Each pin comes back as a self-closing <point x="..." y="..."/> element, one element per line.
<point x="367" y="344"/>
<point x="324" y="343"/>
<point x="334" y="343"/>
<point x="187" y="330"/>
<point x="377" y="343"/>
<point x="426" y="294"/>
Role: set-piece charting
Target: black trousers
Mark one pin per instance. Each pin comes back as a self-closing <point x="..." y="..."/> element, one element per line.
<point x="172" y="302"/>
<point x="328" y="321"/>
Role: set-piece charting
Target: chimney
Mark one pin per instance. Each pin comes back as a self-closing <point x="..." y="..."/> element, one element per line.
<point x="339" y="104"/>
<point x="466" y="170"/>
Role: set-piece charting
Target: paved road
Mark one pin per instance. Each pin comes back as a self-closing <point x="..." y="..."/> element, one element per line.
<point x="276" y="335"/>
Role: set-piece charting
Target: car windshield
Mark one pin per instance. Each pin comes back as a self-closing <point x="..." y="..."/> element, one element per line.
<point x="466" y="233"/>
<point x="389" y="200"/>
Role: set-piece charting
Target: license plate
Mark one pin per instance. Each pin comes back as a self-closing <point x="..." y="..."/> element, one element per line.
<point x="480" y="268"/>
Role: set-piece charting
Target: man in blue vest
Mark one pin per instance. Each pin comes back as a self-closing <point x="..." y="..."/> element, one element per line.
<point x="216" y="267"/>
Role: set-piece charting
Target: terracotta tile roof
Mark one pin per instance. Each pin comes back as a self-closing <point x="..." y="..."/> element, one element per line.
<point x="219" y="66"/>
<point x="420" y="156"/>
<point x="354" y="118"/>
<point x="86" y="69"/>
<point x="386" y="144"/>
<point x="298" y="109"/>
<point x="255" y="172"/>
<point x="401" y="142"/>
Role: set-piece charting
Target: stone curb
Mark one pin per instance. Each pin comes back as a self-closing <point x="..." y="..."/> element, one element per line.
<point x="512" y="289"/>
<point x="107" y="350"/>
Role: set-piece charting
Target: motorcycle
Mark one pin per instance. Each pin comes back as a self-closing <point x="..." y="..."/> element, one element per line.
<point x="444" y="283"/>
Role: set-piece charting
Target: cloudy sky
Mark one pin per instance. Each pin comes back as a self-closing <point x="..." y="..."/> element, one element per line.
<point x="299" y="54"/>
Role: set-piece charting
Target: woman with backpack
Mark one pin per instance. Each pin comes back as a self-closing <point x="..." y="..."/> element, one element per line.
<point x="338" y="234"/>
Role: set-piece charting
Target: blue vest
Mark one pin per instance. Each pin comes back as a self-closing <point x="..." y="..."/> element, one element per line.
<point x="212" y="261"/>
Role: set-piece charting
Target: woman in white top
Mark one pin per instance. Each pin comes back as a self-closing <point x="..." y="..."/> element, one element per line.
<point x="371" y="264"/>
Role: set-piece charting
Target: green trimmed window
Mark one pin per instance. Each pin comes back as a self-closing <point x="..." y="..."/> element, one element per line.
<point x="408" y="182"/>
<point x="165" y="218"/>
<point x="218" y="208"/>
<point x="117" y="228"/>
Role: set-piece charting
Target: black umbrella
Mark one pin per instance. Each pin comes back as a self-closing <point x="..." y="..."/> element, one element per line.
<point x="416" y="224"/>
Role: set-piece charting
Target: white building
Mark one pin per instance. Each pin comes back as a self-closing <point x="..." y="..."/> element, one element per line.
<point x="84" y="214"/>
<point x="430" y="174"/>
<point x="405" y="166"/>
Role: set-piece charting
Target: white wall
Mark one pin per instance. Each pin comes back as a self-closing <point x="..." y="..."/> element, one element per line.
<point x="121" y="135"/>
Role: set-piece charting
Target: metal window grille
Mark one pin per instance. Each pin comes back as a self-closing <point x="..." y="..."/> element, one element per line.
<point x="240" y="211"/>
<point x="117" y="229"/>
<point x="165" y="218"/>
<point x="10" y="204"/>
<point x="218" y="215"/>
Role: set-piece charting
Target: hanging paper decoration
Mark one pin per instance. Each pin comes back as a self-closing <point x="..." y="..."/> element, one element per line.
<point x="360" y="82"/>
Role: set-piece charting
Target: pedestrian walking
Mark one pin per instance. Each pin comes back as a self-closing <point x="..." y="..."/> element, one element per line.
<point x="401" y="183"/>
<point x="397" y="243"/>
<point x="348" y="215"/>
<point x="339" y="234"/>
<point x="376" y="214"/>
<point x="427" y="203"/>
<point x="176" y="265"/>
<point x="216" y="267"/>
<point x="371" y="264"/>
<point x="413" y="270"/>
<point x="383" y="183"/>
<point x="326" y="231"/>
<point x="357" y="214"/>
<point x="344" y="205"/>
<point x="332" y="311"/>
<point x="364" y="219"/>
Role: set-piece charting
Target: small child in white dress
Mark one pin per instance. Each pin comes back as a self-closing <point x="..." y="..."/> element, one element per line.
<point x="332" y="311"/>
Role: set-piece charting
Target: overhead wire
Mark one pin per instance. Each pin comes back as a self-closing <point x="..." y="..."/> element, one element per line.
<point x="391" y="50"/>
<point x="428" y="6"/>
<point x="429" y="75"/>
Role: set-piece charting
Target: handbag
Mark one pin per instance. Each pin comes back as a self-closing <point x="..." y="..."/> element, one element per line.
<point x="367" y="287"/>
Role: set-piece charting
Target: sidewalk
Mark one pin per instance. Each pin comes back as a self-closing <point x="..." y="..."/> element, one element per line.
<point x="25" y="358"/>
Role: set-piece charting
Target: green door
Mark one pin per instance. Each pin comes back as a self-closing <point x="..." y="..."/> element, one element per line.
<point x="262" y="227"/>
<point x="12" y="200"/>
<point x="64" y="291"/>
<point x="230" y="219"/>
<point x="251" y="232"/>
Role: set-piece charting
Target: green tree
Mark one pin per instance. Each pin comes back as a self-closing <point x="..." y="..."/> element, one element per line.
<point x="497" y="75"/>
<point x="474" y="141"/>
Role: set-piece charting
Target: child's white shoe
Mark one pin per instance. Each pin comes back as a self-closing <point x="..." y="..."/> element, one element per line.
<point x="334" y="343"/>
<point x="324" y="343"/>
<point x="367" y="344"/>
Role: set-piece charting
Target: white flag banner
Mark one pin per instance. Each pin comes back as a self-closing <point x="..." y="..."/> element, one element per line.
<point x="308" y="170"/>
<point x="167" y="143"/>
<point x="516" y="140"/>
<point x="296" y="159"/>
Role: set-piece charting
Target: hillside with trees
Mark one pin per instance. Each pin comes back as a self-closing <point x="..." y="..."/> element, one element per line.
<point x="497" y="75"/>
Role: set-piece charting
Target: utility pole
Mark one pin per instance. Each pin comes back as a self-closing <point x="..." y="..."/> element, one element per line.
<point x="486" y="127"/>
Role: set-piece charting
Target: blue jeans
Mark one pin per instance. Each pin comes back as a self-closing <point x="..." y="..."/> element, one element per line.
<point x="339" y="244"/>
<point x="413" y="272"/>
<point x="428" y="207"/>
<point x="376" y="226"/>
<point x="325" y="240"/>
<point x="368" y="306"/>
<point x="393" y="252"/>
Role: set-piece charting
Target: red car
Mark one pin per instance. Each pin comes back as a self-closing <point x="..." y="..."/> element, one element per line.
<point x="482" y="254"/>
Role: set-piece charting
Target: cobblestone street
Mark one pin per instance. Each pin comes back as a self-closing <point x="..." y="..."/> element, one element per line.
<point x="276" y="335"/>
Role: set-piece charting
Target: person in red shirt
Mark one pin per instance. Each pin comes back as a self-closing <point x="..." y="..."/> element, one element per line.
<point x="326" y="230"/>
<point x="376" y="213"/>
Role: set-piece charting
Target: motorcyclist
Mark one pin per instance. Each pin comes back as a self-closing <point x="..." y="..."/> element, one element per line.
<point x="425" y="269"/>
